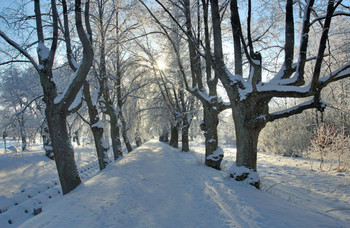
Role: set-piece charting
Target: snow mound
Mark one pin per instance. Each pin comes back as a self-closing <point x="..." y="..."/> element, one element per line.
<point x="242" y="173"/>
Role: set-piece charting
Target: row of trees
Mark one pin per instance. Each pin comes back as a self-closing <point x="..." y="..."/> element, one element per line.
<point x="95" y="42"/>
<point x="114" y="58"/>
<point x="301" y="74"/>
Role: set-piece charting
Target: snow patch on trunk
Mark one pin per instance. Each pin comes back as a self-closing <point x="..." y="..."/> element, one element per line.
<point x="216" y="155"/>
<point x="241" y="173"/>
<point x="43" y="51"/>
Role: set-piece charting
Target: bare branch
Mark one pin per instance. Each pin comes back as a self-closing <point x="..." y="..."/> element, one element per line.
<point x="313" y="103"/>
<point x="20" y="49"/>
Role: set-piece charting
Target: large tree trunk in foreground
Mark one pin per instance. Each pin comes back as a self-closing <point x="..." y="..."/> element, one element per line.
<point x="248" y="126"/>
<point x="64" y="154"/>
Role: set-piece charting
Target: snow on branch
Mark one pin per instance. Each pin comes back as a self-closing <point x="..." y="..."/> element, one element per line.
<point x="43" y="51"/>
<point x="313" y="103"/>
<point x="340" y="73"/>
<point x="336" y="13"/>
<point x="274" y="89"/>
<point x="77" y="102"/>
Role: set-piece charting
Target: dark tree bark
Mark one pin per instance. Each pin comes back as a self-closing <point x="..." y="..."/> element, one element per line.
<point x="138" y="141"/>
<point x="23" y="134"/>
<point x="63" y="150"/>
<point x="96" y="128"/>
<point x="164" y="137"/>
<point x="174" y="136"/>
<point x="95" y="123"/>
<point x="184" y="136"/>
<point x="209" y="127"/>
<point x="210" y="108"/>
<point x="250" y="107"/>
<point x="125" y="134"/>
<point x="47" y="144"/>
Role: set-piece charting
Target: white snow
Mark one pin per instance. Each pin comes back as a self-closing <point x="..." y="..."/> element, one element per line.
<point x="99" y="124"/>
<point x="218" y="153"/>
<point x="59" y="98"/>
<point x="77" y="101"/>
<point x="159" y="186"/>
<point x="236" y="171"/>
<point x="43" y="51"/>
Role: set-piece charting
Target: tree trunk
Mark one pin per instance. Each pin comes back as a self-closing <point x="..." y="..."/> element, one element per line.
<point x="47" y="143"/>
<point x="101" y="148"/>
<point x="115" y="136"/>
<point x="24" y="142"/>
<point x="64" y="154"/>
<point x="174" y="137"/>
<point x="76" y="137"/>
<point x="164" y="137"/>
<point x="184" y="130"/>
<point x="125" y="133"/>
<point x="23" y="133"/>
<point x="126" y="140"/>
<point x="248" y="127"/>
<point x="138" y="141"/>
<point x="213" y="156"/>
<point x="96" y="128"/>
<point x="247" y="142"/>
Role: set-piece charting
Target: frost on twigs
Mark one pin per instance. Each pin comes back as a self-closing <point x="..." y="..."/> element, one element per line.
<point x="241" y="173"/>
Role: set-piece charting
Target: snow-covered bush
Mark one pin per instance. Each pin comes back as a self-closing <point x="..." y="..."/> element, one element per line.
<point x="287" y="137"/>
<point x="330" y="146"/>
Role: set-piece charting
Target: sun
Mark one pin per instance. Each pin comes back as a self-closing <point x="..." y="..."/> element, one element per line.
<point x="161" y="64"/>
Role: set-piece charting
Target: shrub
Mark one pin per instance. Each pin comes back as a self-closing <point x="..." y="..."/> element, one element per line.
<point x="330" y="146"/>
<point x="288" y="137"/>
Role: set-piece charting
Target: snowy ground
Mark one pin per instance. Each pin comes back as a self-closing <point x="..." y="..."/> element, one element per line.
<point x="292" y="179"/>
<point x="157" y="186"/>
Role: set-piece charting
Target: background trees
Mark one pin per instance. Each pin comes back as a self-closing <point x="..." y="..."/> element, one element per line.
<point x="299" y="75"/>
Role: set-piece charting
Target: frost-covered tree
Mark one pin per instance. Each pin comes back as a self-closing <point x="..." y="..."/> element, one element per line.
<point x="58" y="105"/>
<point x="94" y="122"/>
<point x="250" y="96"/>
<point x="301" y="74"/>
<point x="20" y="98"/>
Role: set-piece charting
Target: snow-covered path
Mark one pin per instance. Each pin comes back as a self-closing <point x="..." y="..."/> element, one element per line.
<point x="158" y="186"/>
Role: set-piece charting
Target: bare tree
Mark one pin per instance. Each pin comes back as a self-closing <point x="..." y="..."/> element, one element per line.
<point x="250" y="97"/>
<point x="95" y="123"/>
<point x="59" y="106"/>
